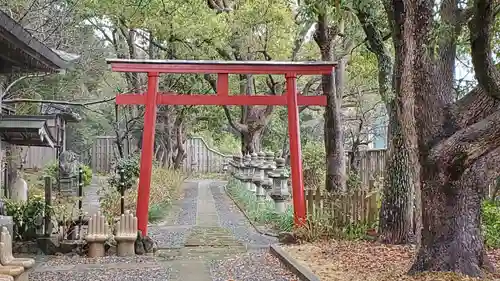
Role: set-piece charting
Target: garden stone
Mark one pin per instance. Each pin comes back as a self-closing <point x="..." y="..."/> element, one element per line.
<point x="126" y="234"/>
<point x="138" y="245"/>
<point x="20" y="190"/>
<point x="97" y="235"/>
<point x="287" y="238"/>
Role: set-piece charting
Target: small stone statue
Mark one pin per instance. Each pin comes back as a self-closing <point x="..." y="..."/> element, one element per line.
<point x="68" y="163"/>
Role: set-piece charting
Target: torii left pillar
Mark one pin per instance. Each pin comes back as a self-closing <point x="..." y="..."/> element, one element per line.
<point x="148" y="141"/>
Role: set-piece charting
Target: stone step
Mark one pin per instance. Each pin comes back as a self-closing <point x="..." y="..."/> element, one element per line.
<point x="211" y="236"/>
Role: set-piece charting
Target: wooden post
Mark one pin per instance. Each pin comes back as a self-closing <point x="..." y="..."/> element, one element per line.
<point x="48" y="205"/>
<point x="80" y="199"/>
<point x="122" y="191"/>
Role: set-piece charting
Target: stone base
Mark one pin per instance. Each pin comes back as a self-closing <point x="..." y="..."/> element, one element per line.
<point x="125" y="248"/>
<point x="22" y="277"/>
<point x="17" y="272"/>
<point x="6" y="278"/>
<point x="280" y="206"/>
<point x="96" y="249"/>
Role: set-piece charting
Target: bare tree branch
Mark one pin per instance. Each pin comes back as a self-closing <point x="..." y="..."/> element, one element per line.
<point x="59" y="102"/>
<point x="4" y="94"/>
<point x="481" y="26"/>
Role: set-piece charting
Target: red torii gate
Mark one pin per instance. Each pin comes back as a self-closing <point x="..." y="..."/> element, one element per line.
<point x="222" y="68"/>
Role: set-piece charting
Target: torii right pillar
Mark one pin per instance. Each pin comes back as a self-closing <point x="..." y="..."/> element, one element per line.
<point x="299" y="204"/>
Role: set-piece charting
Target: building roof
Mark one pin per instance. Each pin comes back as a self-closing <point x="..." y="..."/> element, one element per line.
<point x="21" y="52"/>
<point x="20" y="130"/>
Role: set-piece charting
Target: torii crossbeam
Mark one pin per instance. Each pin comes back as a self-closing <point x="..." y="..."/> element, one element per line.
<point x="152" y="98"/>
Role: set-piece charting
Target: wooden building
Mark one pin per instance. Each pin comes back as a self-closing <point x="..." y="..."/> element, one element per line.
<point x="23" y="54"/>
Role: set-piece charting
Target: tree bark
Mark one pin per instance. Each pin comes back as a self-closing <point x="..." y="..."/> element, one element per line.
<point x="396" y="213"/>
<point x="458" y="143"/>
<point x="332" y="87"/>
<point x="398" y="223"/>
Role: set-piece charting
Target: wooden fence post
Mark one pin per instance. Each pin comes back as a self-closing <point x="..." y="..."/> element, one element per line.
<point x="48" y="205"/>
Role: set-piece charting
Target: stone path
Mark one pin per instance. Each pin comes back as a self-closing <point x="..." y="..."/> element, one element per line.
<point x="203" y="238"/>
<point x="90" y="202"/>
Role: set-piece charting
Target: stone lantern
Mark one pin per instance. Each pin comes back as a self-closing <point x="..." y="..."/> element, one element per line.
<point x="251" y="171"/>
<point x="258" y="176"/>
<point x="235" y="166"/>
<point x="246" y="176"/>
<point x="269" y="166"/>
<point x="280" y="193"/>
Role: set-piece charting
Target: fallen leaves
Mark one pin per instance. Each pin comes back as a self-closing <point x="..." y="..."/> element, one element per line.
<point x="368" y="261"/>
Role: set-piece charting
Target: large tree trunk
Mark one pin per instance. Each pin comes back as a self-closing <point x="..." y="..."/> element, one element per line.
<point x="332" y="87"/>
<point x="458" y="142"/>
<point x="251" y="141"/>
<point x="400" y="218"/>
<point x="452" y="238"/>
<point x="396" y="213"/>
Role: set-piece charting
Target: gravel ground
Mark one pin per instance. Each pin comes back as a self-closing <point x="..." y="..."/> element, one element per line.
<point x="254" y="266"/>
<point x="187" y="214"/>
<point x="149" y="274"/>
<point x="168" y="236"/>
<point x="231" y="218"/>
<point x="65" y="260"/>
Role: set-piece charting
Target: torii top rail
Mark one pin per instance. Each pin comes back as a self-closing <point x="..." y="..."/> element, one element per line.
<point x="152" y="98"/>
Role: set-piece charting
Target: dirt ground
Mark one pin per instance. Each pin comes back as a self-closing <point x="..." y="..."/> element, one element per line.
<point x="368" y="261"/>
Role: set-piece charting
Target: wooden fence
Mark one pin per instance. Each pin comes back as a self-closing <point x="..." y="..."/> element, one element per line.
<point x="200" y="157"/>
<point x="356" y="206"/>
<point x="203" y="159"/>
<point x="103" y="154"/>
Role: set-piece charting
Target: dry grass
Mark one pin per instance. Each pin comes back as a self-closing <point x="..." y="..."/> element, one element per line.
<point x="165" y="187"/>
<point x="367" y="261"/>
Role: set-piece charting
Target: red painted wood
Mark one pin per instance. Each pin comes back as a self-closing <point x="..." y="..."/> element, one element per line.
<point x="223" y="84"/>
<point x="196" y="99"/>
<point x="299" y="203"/>
<point x="292" y="100"/>
<point x="148" y="139"/>
<point x="303" y="69"/>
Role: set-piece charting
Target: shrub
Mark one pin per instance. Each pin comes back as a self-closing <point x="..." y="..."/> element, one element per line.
<point x="130" y="166"/>
<point x="165" y="187"/>
<point x="314" y="168"/>
<point x="491" y="223"/>
<point x="52" y="170"/>
<point x="26" y="216"/>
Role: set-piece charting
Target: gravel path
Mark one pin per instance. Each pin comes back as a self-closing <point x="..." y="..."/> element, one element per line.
<point x="158" y="273"/>
<point x="187" y="215"/>
<point x="202" y="239"/>
<point x="254" y="266"/>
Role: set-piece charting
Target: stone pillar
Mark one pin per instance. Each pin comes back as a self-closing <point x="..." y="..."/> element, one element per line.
<point x="235" y="166"/>
<point x="280" y="193"/>
<point x="268" y="167"/>
<point x="258" y="177"/>
<point x="252" y="170"/>
<point x="245" y="177"/>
